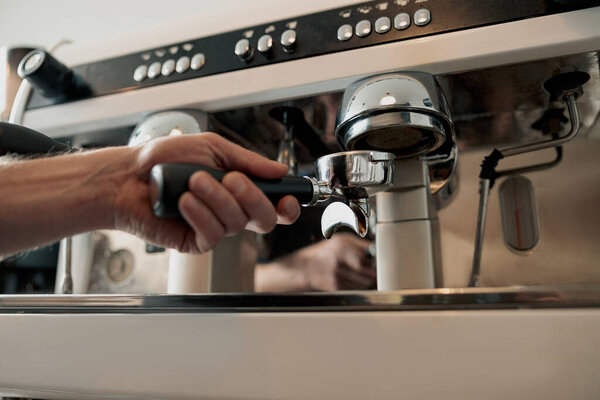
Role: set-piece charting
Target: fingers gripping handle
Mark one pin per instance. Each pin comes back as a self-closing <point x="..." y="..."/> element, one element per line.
<point x="169" y="181"/>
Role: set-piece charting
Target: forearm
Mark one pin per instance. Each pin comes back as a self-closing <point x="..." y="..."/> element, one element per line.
<point x="47" y="199"/>
<point x="284" y="275"/>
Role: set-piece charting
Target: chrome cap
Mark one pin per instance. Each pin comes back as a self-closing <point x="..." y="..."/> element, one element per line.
<point x="404" y="113"/>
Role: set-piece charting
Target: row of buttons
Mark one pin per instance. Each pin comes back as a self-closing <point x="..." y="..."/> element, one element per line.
<point x="383" y="24"/>
<point x="243" y="49"/>
<point x="168" y="67"/>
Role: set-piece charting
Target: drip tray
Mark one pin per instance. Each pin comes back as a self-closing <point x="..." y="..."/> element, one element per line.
<point x="572" y="296"/>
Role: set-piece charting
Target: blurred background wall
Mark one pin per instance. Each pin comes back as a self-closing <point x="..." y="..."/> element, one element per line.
<point x="44" y="22"/>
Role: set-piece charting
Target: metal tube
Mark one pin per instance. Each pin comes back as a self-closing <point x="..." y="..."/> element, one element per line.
<point x="67" y="283"/>
<point x="575" y="124"/>
<point x="484" y="194"/>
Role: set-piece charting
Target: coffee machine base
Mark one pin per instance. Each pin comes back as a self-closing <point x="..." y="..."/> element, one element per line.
<point x="456" y="343"/>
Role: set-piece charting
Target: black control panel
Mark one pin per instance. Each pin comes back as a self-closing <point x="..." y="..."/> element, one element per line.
<point x="360" y="25"/>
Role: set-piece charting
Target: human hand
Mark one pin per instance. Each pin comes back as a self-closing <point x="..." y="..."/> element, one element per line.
<point x="340" y="263"/>
<point x="211" y="210"/>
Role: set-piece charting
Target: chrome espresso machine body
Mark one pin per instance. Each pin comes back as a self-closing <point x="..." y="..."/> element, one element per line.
<point x="387" y="108"/>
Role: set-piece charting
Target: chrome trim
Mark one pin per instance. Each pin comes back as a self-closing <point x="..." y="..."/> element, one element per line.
<point x="565" y="296"/>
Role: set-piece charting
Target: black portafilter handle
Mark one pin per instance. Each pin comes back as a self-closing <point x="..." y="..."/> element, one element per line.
<point x="169" y="181"/>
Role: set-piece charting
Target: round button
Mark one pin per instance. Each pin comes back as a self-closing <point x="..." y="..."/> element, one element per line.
<point x="402" y="21"/>
<point x="243" y="49"/>
<point x="363" y="28"/>
<point x="140" y="73"/>
<point x="344" y="32"/>
<point x="182" y="64"/>
<point x="198" y="61"/>
<point x="422" y="17"/>
<point x="288" y="40"/>
<point x="168" y="67"/>
<point x="154" y="70"/>
<point x="265" y="44"/>
<point x="382" y="25"/>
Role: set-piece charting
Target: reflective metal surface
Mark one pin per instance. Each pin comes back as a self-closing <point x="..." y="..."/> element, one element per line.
<point x="356" y="174"/>
<point x="404" y="113"/>
<point x="576" y="296"/>
<point x="353" y="176"/>
<point x="354" y="215"/>
<point x="167" y="123"/>
<point x="9" y="80"/>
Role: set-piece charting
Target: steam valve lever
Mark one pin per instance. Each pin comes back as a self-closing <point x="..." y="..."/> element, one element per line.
<point x="169" y="181"/>
<point x="52" y="77"/>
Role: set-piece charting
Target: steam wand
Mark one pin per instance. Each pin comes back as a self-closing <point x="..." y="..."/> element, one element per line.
<point x="566" y="87"/>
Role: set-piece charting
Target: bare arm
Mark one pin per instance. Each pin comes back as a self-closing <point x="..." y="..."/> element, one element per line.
<point x="46" y="199"/>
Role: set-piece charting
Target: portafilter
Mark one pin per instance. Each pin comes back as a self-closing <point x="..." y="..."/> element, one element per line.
<point x="349" y="177"/>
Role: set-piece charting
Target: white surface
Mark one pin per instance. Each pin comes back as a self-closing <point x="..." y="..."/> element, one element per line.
<point x="520" y="354"/>
<point x="42" y="22"/>
<point x="189" y="273"/>
<point x="513" y="42"/>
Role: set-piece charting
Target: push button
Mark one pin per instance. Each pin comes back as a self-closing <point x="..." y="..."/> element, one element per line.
<point x="140" y="73"/>
<point x="363" y="28"/>
<point x="422" y="17"/>
<point x="382" y="25"/>
<point x="344" y="32"/>
<point x="168" y="67"/>
<point x="198" y="61"/>
<point x="265" y="44"/>
<point x="154" y="70"/>
<point x="243" y="50"/>
<point x="288" y="40"/>
<point x="182" y="64"/>
<point x="402" y="21"/>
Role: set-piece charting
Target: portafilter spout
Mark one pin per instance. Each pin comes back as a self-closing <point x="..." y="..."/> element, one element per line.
<point x="353" y="176"/>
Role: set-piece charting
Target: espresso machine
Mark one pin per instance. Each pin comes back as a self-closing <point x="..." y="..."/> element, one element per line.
<point x="460" y="137"/>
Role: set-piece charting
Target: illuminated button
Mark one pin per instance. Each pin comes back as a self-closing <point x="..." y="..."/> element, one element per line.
<point x="140" y="73"/>
<point x="146" y="56"/>
<point x="198" y="61"/>
<point x="182" y="64"/>
<point x="402" y="21"/>
<point x="422" y="17"/>
<point x="344" y="32"/>
<point x="363" y="28"/>
<point x="187" y="46"/>
<point x="243" y="50"/>
<point x="168" y="67"/>
<point x="382" y="25"/>
<point x="154" y="70"/>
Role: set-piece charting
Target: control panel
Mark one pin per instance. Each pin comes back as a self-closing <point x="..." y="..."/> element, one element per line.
<point x="348" y="28"/>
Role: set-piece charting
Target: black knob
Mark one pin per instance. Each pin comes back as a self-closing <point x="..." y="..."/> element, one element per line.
<point x="49" y="75"/>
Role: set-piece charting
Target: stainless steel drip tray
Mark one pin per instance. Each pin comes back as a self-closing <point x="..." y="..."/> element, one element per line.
<point x="571" y="296"/>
